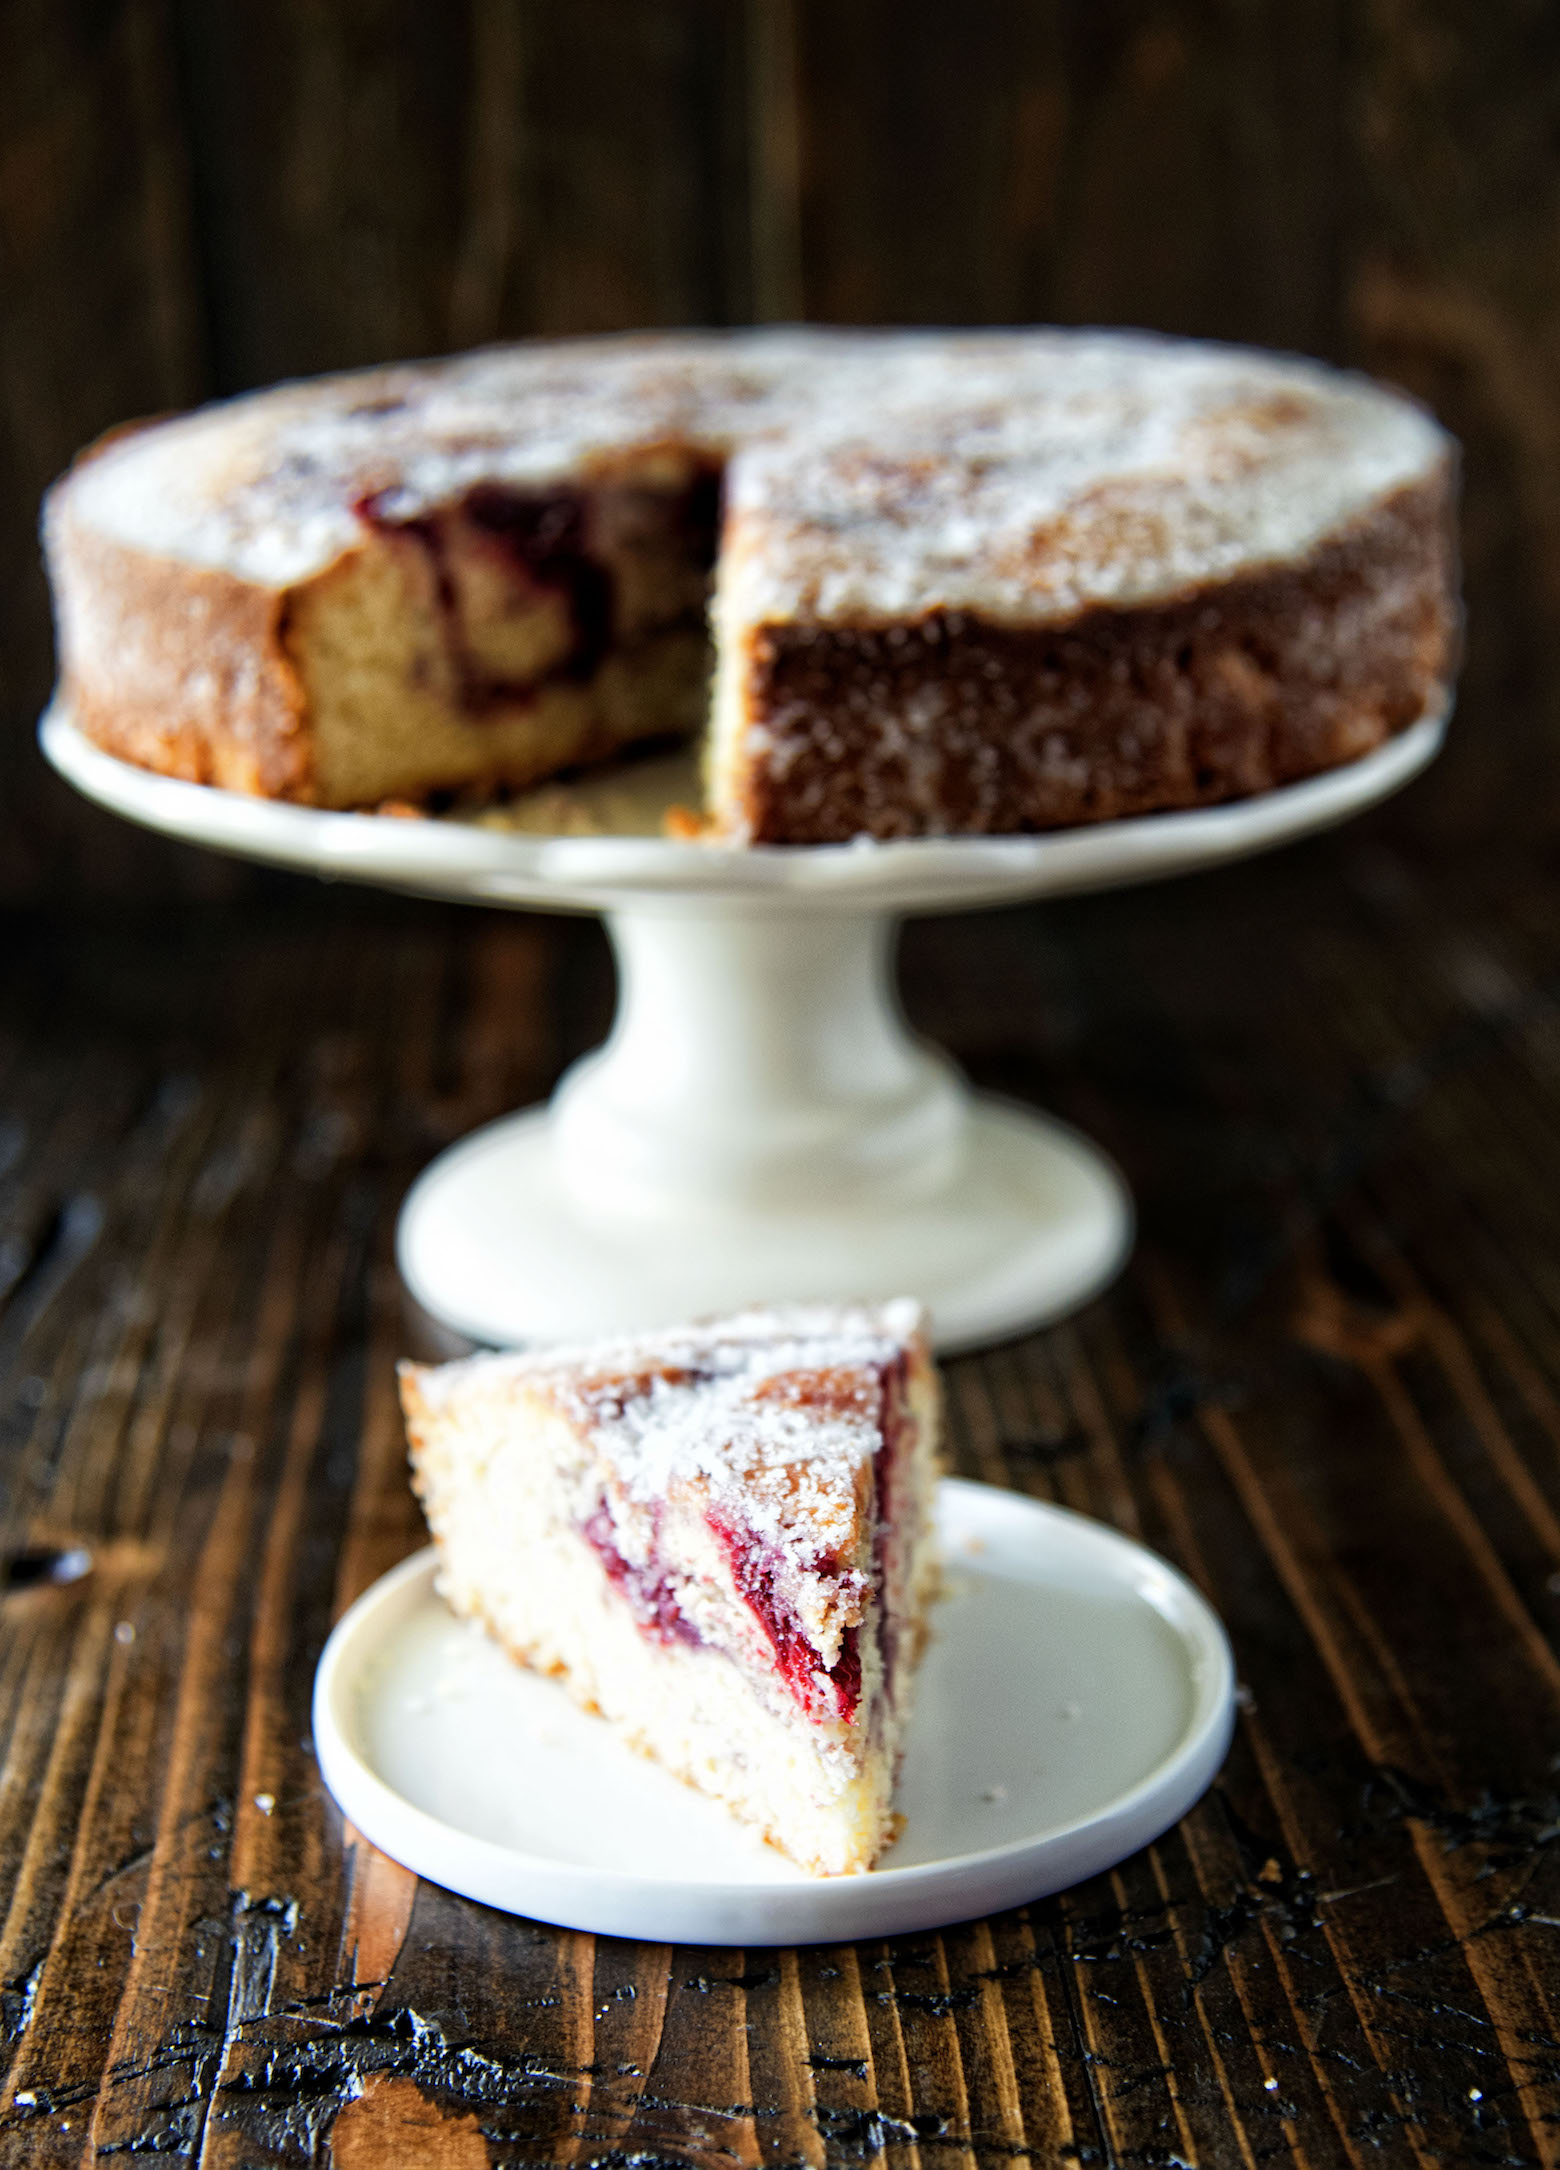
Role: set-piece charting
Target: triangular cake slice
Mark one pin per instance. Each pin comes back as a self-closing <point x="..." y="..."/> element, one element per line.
<point x="719" y="1536"/>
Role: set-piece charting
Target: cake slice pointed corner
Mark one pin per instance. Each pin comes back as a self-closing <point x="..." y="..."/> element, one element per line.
<point x="718" y="1536"/>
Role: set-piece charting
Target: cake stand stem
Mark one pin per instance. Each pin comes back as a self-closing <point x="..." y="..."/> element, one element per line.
<point x="761" y="1126"/>
<point x="758" y="1062"/>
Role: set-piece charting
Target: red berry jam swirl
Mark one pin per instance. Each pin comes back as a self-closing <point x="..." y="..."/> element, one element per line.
<point x="649" y="1594"/>
<point x="822" y="1693"/>
<point x="546" y="536"/>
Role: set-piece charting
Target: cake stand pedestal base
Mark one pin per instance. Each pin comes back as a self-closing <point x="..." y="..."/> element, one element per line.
<point x="760" y="1127"/>
<point x="489" y="1243"/>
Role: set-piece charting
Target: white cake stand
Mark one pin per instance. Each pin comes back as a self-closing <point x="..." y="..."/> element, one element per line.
<point x="759" y="1125"/>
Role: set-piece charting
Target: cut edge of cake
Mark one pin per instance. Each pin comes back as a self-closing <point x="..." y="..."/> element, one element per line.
<point x="718" y="1537"/>
<point x="958" y="723"/>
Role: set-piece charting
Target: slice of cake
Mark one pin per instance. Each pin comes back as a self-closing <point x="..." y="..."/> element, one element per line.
<point x="718" y="1536"/>
<point x="963" y="582"/>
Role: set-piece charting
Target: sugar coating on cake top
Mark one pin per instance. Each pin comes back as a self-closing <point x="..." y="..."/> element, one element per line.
<point x="1027" y="474"/>
<point x="1127" y="473"/>
<point x="772" y="1407"/>
<point x="265" y="485"/>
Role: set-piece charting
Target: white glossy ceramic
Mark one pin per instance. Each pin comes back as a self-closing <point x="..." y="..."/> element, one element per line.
<point x="478" y="865"/>
<point x="1075" y="1700"/>
<point x="760" y="1125"/>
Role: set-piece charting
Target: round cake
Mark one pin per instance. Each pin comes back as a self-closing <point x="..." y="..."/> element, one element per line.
<point x="943" y="583"/>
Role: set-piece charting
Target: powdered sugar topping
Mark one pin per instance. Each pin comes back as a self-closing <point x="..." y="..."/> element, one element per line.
<point x="776" y="1408"/>
<point x="1022" y="473"/>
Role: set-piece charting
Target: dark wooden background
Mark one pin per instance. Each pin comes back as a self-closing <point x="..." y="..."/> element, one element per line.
<point x="1329" y="1385"/>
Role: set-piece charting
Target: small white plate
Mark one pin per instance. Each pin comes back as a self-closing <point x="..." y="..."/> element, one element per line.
<point x="1076" y="1699"/>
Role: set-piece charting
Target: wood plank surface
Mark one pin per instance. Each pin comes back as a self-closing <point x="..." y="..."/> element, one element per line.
<point x="1328" y="1387"/>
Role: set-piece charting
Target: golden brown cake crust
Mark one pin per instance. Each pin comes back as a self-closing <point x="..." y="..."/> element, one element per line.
<point x="1219" y="694"/>
<point x="201" y="686"/>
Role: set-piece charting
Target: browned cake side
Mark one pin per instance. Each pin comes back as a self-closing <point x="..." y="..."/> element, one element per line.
<point x="956" y="724"/>
<point x="204" y="688"/>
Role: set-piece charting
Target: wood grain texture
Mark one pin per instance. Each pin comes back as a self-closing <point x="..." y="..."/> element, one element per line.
<point x="99" y="320"/>
<point x="1328" y="1387"/>
<point x="377" y="179"/>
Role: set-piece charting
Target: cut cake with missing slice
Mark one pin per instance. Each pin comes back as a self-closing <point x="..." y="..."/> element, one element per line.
<point x="963" y="582"/>
<point x="719" y="1536"/>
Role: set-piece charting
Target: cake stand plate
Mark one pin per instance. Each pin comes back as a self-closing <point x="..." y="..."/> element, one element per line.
<point x="1075" y="1700"/>
<point x="760" y="1125"/>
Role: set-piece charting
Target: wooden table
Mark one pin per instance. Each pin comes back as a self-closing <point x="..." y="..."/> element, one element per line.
<point x="1328" y="1387"/>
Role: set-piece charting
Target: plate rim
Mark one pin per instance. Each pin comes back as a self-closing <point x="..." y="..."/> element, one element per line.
<point x="598" y="873"/>
<point x="1181" y="1776"/>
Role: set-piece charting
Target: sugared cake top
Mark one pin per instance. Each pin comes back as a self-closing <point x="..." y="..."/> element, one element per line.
<point x="780" y="1409"/>
<point x="1016" y="473"/>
